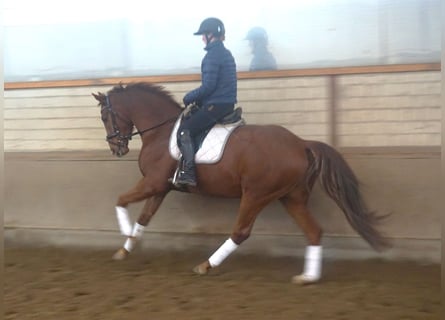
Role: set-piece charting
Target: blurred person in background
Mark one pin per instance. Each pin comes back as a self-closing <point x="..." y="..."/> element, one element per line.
<point x="262" y="57"/>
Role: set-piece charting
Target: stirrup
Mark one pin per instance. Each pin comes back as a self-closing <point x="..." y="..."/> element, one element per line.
<point x="174" y="180"/>
<point x="186" y="181"/>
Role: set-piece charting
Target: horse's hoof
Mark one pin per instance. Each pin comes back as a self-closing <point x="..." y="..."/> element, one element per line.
<point x="303" y="279"/>
<point x="121" y="254"/>
<point x="202" y="268"/>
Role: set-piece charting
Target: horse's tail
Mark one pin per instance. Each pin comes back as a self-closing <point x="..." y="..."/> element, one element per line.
<point x="341" y="184"/>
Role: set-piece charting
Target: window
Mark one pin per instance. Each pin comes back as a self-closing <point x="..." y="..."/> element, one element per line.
<point x="52" y="40"/>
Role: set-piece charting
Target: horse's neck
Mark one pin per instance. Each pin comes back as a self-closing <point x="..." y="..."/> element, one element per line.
<point x="158" y="134"/>
<point x="155" y="143"/>
<point x="155" y="124"/>
<point x="147" y="118"/>
<point x="153" y="116"/>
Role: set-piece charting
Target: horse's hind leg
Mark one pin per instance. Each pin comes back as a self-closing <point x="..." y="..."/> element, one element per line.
<point x="296" y="205"/>
<point x="248" y="211"/>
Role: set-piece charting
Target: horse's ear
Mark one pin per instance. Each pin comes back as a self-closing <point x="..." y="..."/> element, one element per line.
<point x="99" y="97"/>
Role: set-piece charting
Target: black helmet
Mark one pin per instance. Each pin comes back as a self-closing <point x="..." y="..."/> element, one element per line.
<point x="213" y="26"/>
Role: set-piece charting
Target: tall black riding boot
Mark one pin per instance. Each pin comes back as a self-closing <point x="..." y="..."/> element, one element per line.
<point x="187" y="175"/>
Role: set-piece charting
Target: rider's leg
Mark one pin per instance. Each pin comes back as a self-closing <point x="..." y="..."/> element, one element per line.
<point x="199" y="121"/>
<point x="187" y="175"/>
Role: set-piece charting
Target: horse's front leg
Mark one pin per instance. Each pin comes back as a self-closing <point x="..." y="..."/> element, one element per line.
<point x="134" y="233"/>
<point x="151" y="206"/>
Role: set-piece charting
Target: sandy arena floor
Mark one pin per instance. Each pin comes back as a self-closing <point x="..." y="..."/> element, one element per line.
<point x="49" y="283"/>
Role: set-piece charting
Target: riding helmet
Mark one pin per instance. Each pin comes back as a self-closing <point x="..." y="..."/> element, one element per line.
<point x="211" y="25"/>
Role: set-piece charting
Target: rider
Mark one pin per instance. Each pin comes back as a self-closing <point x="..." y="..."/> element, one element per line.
<point x="215" y="97"/>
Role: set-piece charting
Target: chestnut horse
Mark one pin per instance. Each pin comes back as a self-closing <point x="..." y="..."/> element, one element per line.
<point x="260" y="164"/>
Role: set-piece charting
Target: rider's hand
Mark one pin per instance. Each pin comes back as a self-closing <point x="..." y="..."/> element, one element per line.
<point x="187" y="100"/>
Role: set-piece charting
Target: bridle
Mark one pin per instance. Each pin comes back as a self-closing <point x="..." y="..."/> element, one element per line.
<point x="122" y="140"/>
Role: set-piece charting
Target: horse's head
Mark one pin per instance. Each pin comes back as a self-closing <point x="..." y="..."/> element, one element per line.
<point x="118" y="127"/>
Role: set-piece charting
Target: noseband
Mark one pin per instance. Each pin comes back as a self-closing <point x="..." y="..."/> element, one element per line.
<point x="122" y="140"/>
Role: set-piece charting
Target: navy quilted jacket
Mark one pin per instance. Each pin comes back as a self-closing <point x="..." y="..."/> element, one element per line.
<point x="218" y="78"/>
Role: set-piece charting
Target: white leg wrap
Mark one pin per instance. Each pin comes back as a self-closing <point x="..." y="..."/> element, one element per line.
<point x="312" y="263"/>
<point x="138" y="230"/>
<point x="136" y="234"/>
<point x="222" y="253"/>
<point x="129" y="244"/>
<point x="124" y="220"/>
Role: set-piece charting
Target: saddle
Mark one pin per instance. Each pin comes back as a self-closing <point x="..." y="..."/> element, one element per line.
<point x="231" y="118"/>
<point x="209" y="145"/>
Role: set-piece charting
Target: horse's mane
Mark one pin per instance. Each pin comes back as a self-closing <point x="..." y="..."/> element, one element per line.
<point x="145" y="86"/>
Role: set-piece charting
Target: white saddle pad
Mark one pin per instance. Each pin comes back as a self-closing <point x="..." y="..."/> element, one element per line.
<point x="213" y="145"/>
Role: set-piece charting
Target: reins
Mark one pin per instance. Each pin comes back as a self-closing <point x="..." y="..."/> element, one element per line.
<point x="128" y="137"/>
